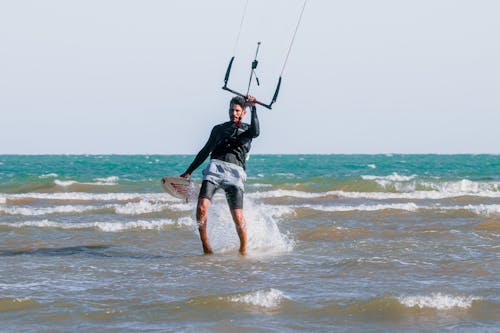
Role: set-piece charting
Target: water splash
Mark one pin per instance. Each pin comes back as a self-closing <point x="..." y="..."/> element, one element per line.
<point x="264" y="236"/>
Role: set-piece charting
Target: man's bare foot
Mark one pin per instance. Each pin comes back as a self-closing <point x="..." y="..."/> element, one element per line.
<point x="207" y="250"/>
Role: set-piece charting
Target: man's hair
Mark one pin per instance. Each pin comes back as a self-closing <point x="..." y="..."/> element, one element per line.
<point x="238" y="100"/>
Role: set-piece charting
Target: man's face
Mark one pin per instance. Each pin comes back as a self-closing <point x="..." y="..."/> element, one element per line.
<point x="236" y="113"/>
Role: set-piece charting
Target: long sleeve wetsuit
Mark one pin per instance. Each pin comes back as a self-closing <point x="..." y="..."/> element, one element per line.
<point x="229" y="142"/>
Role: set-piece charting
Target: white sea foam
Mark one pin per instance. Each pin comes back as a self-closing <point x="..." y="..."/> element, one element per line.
<point x="112" y="180"/>
<point x="105" y="226"/>
<point x="48" y="175"/>
<point x="141" y="207"/>
<point x="286" y="193"/>
<point x="485" y="210"/>
<point x="258" y="185"/>
<point x="372" y="166"/>
<point x="86" y="196"/>
<point x="108" y="181"/>
<point x="131" y="208"/>
<point x="39" y="224"/>
<point x="463" y="186"/>
<point x="144" y="207"/>
<point x="416" y="195"/>
<point x="139" y="225"/>
<point x="66" y="209"/>
<point x="182" y="207"/>
<point x="64" y="183"/>
<point x="277" y="211"/>
<point x="438" y="301"/>
<point x="393" y="178"/>
<point x="3" y="200"/>
<point x="396" y="181"/>
<point x="482" y="209"/>
<point x="285" y="175"/>
<point x="269" y="298"/>
<point x="410" y="183"/>
<point x="411" y="207"/>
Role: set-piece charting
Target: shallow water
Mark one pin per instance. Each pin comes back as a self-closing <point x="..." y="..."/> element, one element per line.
<point x="336" y="243"/>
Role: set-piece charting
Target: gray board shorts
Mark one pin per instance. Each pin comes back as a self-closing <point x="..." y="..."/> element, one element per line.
<point x="227" y="176"/>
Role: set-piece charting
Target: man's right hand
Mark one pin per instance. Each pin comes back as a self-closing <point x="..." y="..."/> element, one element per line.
<point x="185" y="175"/>
<point x="250" y="101"/>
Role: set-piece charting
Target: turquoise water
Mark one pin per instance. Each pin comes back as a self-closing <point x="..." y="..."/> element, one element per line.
<point x="336" y="243"/>
<point x="132" y="170"/>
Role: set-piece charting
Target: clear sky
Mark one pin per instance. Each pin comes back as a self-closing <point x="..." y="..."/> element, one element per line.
<point x="364" y="76"/>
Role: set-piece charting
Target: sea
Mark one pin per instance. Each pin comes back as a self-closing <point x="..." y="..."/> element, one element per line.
<point x="337" y="243"/>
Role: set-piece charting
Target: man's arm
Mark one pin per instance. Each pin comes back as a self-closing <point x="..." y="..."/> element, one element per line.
<point x="254" y="129"/>
<point x="202" y="154"/>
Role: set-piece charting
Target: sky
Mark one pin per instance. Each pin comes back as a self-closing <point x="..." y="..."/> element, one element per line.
<point x="145" y="77"/>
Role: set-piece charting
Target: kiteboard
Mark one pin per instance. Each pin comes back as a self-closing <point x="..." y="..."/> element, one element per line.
<point x="179" y="187"/>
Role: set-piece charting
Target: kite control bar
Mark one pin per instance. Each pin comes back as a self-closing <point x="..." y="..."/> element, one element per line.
<point x="252" y="73"/>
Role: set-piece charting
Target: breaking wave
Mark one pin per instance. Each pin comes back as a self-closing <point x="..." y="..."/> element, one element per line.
<point x="107" y="181"/>
<point x="88" y="196"/>
<point x="416" y="195"/>
<point x="438" y="301"/>
<point x="106" y="226"/>
<point x="268" y="298"/>
<point x="482" y="209"/>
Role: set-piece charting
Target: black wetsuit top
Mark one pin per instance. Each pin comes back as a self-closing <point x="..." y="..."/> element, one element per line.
<point x="229" y="142"/>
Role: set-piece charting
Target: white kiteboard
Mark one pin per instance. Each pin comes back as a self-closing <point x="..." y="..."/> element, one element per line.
<point x="179" y="187"/>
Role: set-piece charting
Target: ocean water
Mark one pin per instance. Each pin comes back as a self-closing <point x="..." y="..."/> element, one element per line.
<point x="337" y="243"/>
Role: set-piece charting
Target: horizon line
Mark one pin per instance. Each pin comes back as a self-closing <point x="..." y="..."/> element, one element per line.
<point x="254" y="154"/>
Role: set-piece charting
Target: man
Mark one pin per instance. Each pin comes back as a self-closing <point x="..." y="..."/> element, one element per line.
<point x="228" y="144"/>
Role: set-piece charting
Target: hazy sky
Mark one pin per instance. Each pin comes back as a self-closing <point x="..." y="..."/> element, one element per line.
<point x="365" y="76"/>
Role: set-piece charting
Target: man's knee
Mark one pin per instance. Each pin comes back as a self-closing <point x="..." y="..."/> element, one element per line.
<point x="238" y="217"/>
<point x="237" y="214"/>
<point x="201" y="211"/>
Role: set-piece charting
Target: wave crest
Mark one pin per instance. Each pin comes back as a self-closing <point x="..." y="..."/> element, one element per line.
<point x="269" y="298"/>
<point x="438" y="301"/>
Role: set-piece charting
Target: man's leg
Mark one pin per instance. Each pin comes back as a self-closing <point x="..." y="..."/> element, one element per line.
<point x="201" y="218"/>
<point x="234" y="196"/>
<point x="241" y="228"/>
